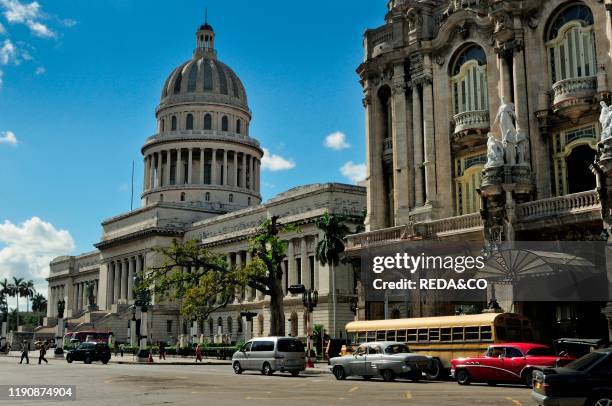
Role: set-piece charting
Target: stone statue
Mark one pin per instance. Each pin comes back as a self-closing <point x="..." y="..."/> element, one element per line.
<point x="61" y="305"/>
<point x="522" y="145"/>
<point x="495" y="152"/>
<point x="506" y="118"/>
<point x="605" y="118"/>
<point x="90" y="293"/>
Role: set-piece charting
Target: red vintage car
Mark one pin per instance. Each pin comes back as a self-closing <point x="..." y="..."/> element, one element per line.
<point x="506" y="363"/>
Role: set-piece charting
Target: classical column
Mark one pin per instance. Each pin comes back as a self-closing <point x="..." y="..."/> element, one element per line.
<point x="84" y="293"/>
<point x="505" y="79"/>
<point x="124" y="278"/>
<point x="291" y="274"/>
<point x="239" y="266"/>
<point x="429" y="138"/>
<point x="417" y="131"/>
<point x="225" y="176"/>
<point x="145" y="181"/>
<point x="250" y="291"/>
<point x="177" y="168"/>
<point x="305" y="265"/>
<point x="235" y="169"/>
<point x="520" y="87"/>
<point x="253" y="181"/>
<point x="110" y="284"/>
<point x="374" y="159"/>
<point x="151" y="171"/>
<point x="117" y="282"/>
<point x="213" y="167"/>
<point x="258" y="176"/>
<point x="401" y="174"/>
<point x="159" y="169"/>
<point x="130" y="293"/>
<point x="202" y="165"/>
<point x="190" y="166"/>
<point x="243" y="173"/>
<point x="74" y="300"/>
<point x="168" y="166"/>
<point x="79" y="296"/>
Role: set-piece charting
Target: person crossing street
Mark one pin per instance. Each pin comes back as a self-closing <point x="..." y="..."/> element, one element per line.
<point x="42" y="353"/>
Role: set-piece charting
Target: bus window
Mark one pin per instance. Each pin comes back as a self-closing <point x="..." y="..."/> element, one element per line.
<point x="371" y="336"/>
<point x="412" y="335"/>
<point x="457" y="333"/>
<point x="381" y="335"/>
<point x="485" y="332"/>
<point x="351" y="337"/>
<point x="391" y="335"/>
<point x="471" y="333"/>
<point x="361" y="337"/>
<point x="445" y="334"/>
<point x="434" y="334"/>
<point x="423" y="336"/>
<point x="401" y="336"/>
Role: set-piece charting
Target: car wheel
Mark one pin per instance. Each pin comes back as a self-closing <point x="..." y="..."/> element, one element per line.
<point x="295" y="373"/>
<point x="105" y="361"/>
<point x="601" y="400"/>
<point x="69" y="359"/>
<point x="463" y="377"/>
<point x="388" y="375"/>
<point x="267" y="369"/>
<point x="237" y="368"/>
<point x="367" y="377"/>
<point x="437" y="373"/>
<point x="87" y="359"/>
<point x="416" y="377"/>
<point x="528" y="378"/>
<point x="339" y="373"/>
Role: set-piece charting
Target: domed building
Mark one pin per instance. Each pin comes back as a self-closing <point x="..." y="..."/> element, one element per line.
<point x="202" y="182"/>
<point x="202" y="151"/>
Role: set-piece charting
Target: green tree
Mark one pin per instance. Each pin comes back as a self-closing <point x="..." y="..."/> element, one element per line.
<point x="15" y="289"/>
<point x="204" y="281"/>
<point x="39" y="304"/>
<point x="27" y="290"/>
<point x="329" y="248"/>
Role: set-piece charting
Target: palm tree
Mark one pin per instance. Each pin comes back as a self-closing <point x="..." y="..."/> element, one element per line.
<point x="4" y="293"/>
<point x="39" y="304"/>
<point x="14" y="291"/>
<point x="329" y="248"/>
<point x="27" y="291"/>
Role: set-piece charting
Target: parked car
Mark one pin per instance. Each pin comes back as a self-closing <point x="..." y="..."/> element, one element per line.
<point x="586" y="381"/>
<point x="388" y="359"/>
<point x="577" y="347"/>
<point x="89" y="352"/>
<point x="506" y="363"/>
<point x="270" y="354"/>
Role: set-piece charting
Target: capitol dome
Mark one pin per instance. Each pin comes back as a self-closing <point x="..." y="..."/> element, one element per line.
<point x="202" y="153"/>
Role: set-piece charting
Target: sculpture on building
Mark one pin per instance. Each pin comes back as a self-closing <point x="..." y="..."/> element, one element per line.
<point x="605" y="118"/>
<point x="495" y="152"/>
<point x="90" y="293"/>
<point x="514" y="140"/>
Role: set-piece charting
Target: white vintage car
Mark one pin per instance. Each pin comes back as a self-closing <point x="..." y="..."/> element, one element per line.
<point x="388" y="359"/>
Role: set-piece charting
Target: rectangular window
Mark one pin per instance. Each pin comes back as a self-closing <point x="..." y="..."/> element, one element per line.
<point x="471" y="333"/>
<point x="434" y="334"/>
<point x="371" y="336"/>
<point x="445" y="334"/>
<point x="381" y="335"/>
<point x="457" y="333"/>
<point x="169" y="326"/>
<point x="401" y="336"/>
<point x="298" y="269"/>
<point x="391" y="335"/>
<point x="485" y="333"/>
<point x="423" y="336"/>
<point x="412" y="334"/>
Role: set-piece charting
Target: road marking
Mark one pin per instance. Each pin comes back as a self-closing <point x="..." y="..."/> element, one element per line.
<point x="353" y="389"/>
<point x="514" y="401"/>
<point x="408" y="395"/>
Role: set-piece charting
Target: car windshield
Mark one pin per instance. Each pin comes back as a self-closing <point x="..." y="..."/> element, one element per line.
<point x="541" y="352"/>
<point x="397" y="349"/>
<point x="582" y="364"/>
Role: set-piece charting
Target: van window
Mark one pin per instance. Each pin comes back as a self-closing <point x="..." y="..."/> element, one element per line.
<point x="246" y="347"/>
<point x="288" y="345"/>
<point x="263" y="346"/>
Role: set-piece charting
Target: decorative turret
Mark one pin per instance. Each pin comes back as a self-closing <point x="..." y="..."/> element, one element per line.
<point x="205" y="40"/>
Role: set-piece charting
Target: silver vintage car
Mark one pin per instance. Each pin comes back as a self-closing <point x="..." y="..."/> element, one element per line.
<point x="385" y="358"/>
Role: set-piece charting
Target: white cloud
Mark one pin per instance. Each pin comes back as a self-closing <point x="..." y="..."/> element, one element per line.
<point x="337" y="141"/>
<point x="29" y="14"/>
<point x="40" y="70"/>
<point x="9" y="136"/>
<point x="1" y="74"/>
<point x="2" y="29"/>
<point x="8" y="53"/>
<point x="27" y="249"/>
<point x="355" y="172"/>
<point x="274" y="162"/>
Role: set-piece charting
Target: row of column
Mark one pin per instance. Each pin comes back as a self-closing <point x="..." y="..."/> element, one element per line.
<point x="121" y="274"/>
<point x="80" y="301"/>
<point x="232" y="168"/>
<point x="56" y="293"/>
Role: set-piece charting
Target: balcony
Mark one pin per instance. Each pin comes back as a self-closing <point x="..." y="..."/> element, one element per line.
<point x="471" y="121"/>
<point x="569" y="205"/>
<point x="573" y="97"/>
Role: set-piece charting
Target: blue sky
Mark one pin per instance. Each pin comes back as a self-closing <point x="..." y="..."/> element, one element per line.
<point x="81" y="80"/>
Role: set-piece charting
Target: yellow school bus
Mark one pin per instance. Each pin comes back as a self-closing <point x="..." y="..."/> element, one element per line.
<point x="446" y="337"/>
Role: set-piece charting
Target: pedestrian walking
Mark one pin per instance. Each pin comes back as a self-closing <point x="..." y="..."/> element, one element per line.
<point x="121" y="350"/>
<point x="42" y="353"/>
<point x="25" y="348"/>
<point x="162" y="350"/>
<point x="198" y="353"/>
<point x="116" y="348"/>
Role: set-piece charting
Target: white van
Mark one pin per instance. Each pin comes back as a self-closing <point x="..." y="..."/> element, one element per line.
<point x="270" y="354"/>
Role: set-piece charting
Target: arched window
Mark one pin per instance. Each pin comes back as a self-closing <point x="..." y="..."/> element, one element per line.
<point x="238" y="126"/>
<point x="207" y="196"/>
<point x="570" y="43"/>
<point x="224" y="124"/>
<point x="189" y="123"/>
<point x="207" y="122"/>
<point x="174" y="123"/>
<point x="211" y="327"/>
<point x="469" y="80"/>
<point x="573" y="153"/>
<point x="467" y="180"/>
<point x="219" y="326"/>
<point x="231" y="198"/>
<point x="239" y="321"/>
<point x="182" y="196"/>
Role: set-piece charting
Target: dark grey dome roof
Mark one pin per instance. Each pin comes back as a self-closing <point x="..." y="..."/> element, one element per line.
<point x="204" y="79"/>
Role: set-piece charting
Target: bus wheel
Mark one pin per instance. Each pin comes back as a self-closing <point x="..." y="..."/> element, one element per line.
<point x="437" y="372"/>
<point x="463" y="377"/>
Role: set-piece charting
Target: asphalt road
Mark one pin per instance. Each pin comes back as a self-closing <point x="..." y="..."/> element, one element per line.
<point x="118" y="385"/>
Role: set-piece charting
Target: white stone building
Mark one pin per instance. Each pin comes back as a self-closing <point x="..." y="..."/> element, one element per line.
<point x="202" y="181"/>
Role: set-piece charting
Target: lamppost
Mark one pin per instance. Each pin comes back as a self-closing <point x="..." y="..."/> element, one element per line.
<point x="143" y="300"/>
<point x="59" y="331"/>
<point x="133" y="327"/>
<point x="310" y="298"/>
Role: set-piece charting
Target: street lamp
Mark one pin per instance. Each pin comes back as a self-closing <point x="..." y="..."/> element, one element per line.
<point x="310" y="298"/>
<point x="143" y="300"/>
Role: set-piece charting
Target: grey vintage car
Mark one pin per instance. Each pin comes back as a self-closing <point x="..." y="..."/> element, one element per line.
<point x="385" y="358"/>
